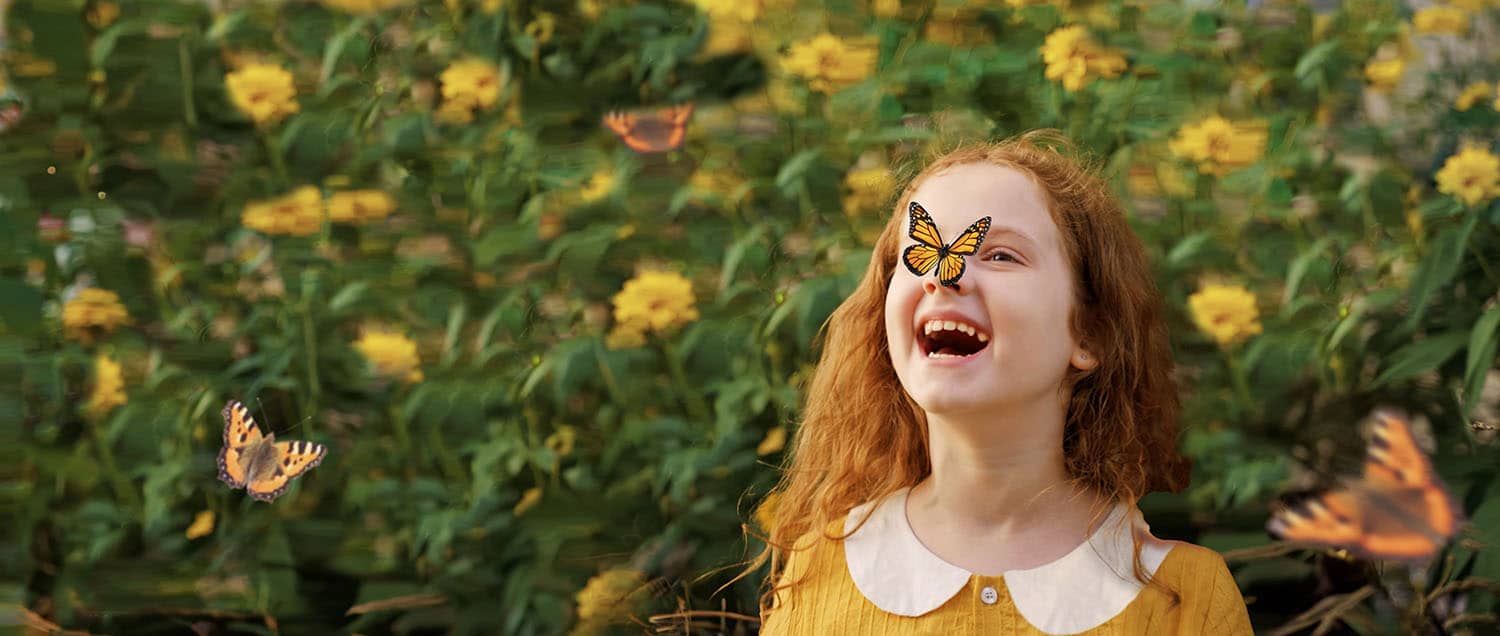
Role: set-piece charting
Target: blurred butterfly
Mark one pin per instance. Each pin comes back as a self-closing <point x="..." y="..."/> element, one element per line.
<point x="258" y="463"/>
<point x="12" y="108"/>
<point x="930" y="249"/>
<point x="651" y="131"/>
<point x="1398" y="511"/>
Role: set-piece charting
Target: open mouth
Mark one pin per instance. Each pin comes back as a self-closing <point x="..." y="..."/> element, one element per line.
<point x="951" y="339"/>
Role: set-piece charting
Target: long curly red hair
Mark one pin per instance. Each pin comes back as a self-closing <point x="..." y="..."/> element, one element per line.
<point x="862" y="437"/>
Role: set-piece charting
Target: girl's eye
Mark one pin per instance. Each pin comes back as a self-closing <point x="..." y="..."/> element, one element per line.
<point x="992" y="256"/>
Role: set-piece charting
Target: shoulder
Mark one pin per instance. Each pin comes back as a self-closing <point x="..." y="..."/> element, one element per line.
<point x="1209" y="595"/>
<point x="812" y="568"/>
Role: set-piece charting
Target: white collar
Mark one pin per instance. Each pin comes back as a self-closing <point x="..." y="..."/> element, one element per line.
<point x="1076" y="592"/>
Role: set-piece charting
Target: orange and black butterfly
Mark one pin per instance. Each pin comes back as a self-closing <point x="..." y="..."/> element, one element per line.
<point x="930" y="249"/>
<point x="651" y="131"/>
<point x="1398" y="511"/>
<point x="258" y="463"/>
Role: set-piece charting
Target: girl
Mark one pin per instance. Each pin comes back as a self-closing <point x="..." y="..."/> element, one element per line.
<point x="992" y="401"/>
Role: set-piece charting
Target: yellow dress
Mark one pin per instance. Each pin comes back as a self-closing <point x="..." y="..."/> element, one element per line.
<point x="882" y="580"/>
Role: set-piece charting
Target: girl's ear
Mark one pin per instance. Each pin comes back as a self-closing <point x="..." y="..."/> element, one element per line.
<point x="1084" y="360"/>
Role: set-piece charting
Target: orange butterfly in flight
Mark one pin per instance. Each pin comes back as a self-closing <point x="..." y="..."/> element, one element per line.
<point x="258" y="463"/>
<point x="1398" y="511"/>
<point x="651" y="131"/>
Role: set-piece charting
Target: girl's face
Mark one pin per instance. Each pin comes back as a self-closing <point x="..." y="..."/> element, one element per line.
<point x="1015" y="295"/>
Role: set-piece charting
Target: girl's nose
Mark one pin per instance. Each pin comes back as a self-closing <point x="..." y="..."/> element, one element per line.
<point x="930" y="285"/>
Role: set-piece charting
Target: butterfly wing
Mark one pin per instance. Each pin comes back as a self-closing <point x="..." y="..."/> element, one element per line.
<point x="1419" y="514"/>
<point x="240" y="435"/>
<point x="1398" y="511"/>
<point x="648" y="131"/>
<point x="292" y="459"/>
<point x="951" y="267"/>
<point x="921" y="257"/>
<point x="1333" y="519"/>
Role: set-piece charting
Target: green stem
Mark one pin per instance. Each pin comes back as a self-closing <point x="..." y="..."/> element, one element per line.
<point x="107" y="458"/>
<point x="273" y="151"/>
<point x="453" y="472"/>
<point x="185" y="65"/>
<point x="690" y="397"/>
<point x="310" y="344"/>
<point x="1237" y="377"/>
<point x="403" y="430"/>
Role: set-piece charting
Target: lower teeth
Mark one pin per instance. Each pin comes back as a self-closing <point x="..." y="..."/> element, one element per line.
<point x="944" y="355"/>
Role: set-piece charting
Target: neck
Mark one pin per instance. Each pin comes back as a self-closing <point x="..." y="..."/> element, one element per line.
<point x="999" y="474"/>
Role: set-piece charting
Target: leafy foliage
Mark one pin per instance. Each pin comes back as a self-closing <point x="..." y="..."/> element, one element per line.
<point x="531" y="451"/>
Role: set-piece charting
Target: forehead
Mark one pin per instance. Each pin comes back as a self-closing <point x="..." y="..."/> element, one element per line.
<point x="961" y="195"/>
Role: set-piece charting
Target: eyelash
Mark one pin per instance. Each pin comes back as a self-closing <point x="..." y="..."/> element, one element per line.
<point x="995" y="253"/>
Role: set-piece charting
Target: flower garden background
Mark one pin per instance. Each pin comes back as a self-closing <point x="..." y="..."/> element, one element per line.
<point x="556" y="376"/>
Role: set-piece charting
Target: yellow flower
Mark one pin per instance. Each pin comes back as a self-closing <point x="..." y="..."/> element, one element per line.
<point x="360" y="206"/>
<point x="561" y="441"/>
<point x="1384" y="74"/>
<point x="625" y="337"/>
<point x="202" y="526"/>
<point x="1225" y="312"/>
<point x="109" y="387"/>
<point x="391" y="354"/>
<point x="471" y="84"/>
<point x="743" y="11"/>
<point x="491" y="7"/>
<point x="765" y="513"/>
<point x="1473" y="6"/>
<point x="599" y="185"/>
<point x="726" y="36"/>
<point x="541" y="28"/>
<point x="1219" y="146"/>
<point x="1472" y="94"/>
<point x="528" y="501"/>
<point x="611" y="597"/>
<point x="1440" y="19"/>
<point x="299" y="213"/>
<point x="92" y="312"/>
<point x="102" y="14"/>
<point x="1472" y="176"/>
<point x="886" y="8"/>
<point x="868" y="190"/>
<point x="828" y="63"/>
<point x="1074" y="59"/>
<point x="265" y="92"/>
<point x="363" y="7"/>
<point x="655" y="301"/>
<point x="775" y="440"/>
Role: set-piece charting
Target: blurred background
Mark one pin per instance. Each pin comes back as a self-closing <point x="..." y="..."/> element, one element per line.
<point x="556" y="356"/>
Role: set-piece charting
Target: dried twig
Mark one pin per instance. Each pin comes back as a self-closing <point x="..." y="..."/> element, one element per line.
<point x="1325" y="613"/>
<point x="409" y="601"/>
<point x="1260" y="552"/>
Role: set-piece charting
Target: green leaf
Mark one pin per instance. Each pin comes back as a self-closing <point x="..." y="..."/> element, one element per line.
<point x="1439" y="268"/>
<point x="1299" y="267"/>
<point x="1420" y="357"/>
<point x="1311" y="62"/>
<point x="1482" y="342"/>
<point x="1187" y="248"/>
<point x="20" y="307"/>
<point x="792" y="171"/>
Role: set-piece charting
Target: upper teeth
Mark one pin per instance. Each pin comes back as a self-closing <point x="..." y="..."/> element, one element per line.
<point x="949" y="325"/>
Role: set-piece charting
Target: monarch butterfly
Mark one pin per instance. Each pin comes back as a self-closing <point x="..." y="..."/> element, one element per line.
<point x="930" y="249"/>
<point x="1400" y="510"/>
<point x="651" y="131"/>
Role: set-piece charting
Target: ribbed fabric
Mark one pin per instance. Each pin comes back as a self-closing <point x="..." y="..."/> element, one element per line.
<point x="826" y="601"/>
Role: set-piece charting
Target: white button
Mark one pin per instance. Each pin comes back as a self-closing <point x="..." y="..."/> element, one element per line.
<point x="989" y="595"/>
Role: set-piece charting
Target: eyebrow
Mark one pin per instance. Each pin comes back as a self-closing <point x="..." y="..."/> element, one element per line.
<point x="1006" y="229"/>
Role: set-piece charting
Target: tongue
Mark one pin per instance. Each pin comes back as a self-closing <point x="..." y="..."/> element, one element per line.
<point x="951" y="351"/>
